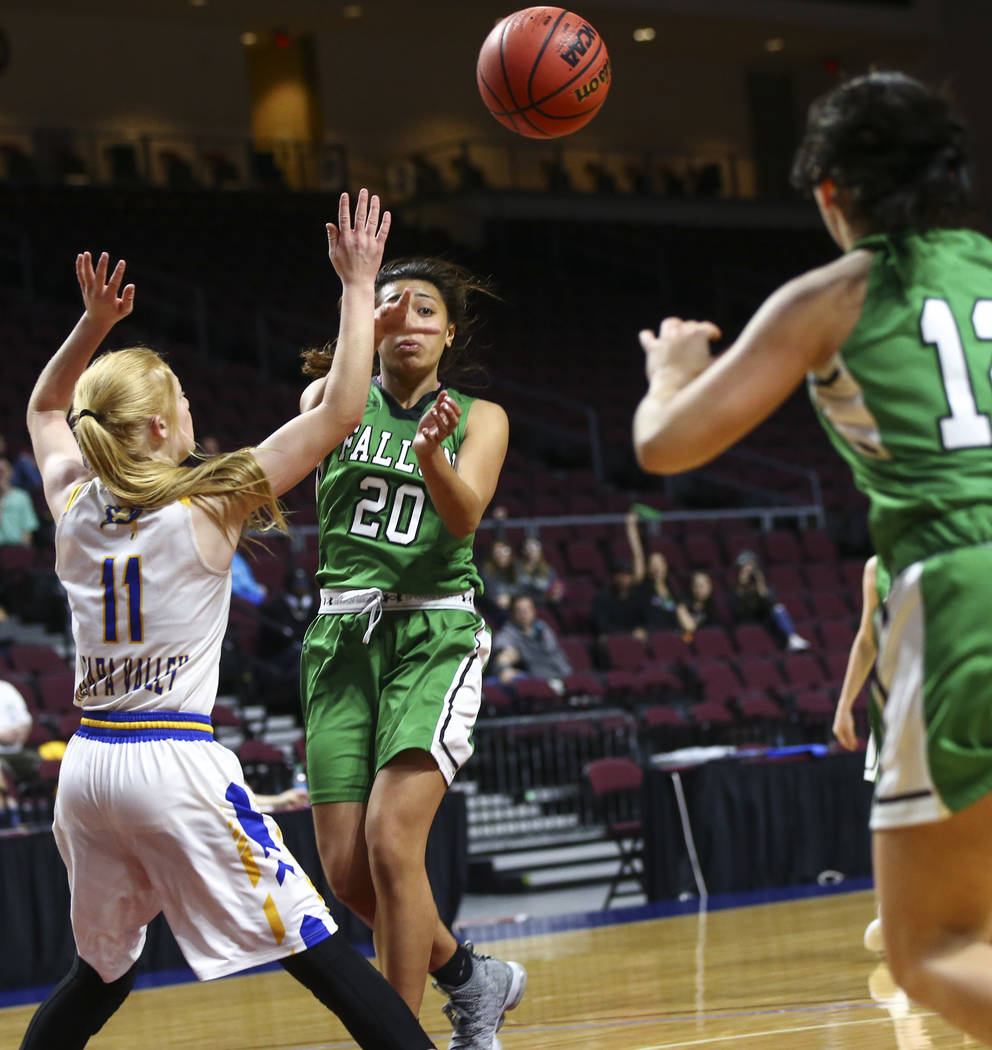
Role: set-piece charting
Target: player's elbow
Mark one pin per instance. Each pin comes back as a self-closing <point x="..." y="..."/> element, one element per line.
<point x="656" y="457"/>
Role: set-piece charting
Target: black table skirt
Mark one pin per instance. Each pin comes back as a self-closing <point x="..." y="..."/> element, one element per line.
<point x="34" y="896"/>
<point x="759" y="824"/>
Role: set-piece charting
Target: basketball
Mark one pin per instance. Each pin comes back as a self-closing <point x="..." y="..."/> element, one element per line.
<point x="543" y="72"/>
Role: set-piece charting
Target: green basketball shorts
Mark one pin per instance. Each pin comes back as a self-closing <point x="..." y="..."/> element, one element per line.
<point x="416" y="684"/>
<point x="935" y="668"/>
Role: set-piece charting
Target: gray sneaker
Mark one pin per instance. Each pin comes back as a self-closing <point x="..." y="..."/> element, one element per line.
<point x="477" y="1009"/>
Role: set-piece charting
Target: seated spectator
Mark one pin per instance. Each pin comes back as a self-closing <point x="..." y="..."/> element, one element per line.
<point x="700" y="609"/>
<point x="651" y="576"/>
<point x="753" y="600"/>
<point x="17" y="516"/>
<point x="283" y="621"/>
<point x="528" y="647"/>
<point x="621" y="608"/>
<point x="17" y="762"/>
<point x="243" y="582"/>
<point x="499" y="572"/>
<point x="535" y="576"/>
<point x="26" y="474"/>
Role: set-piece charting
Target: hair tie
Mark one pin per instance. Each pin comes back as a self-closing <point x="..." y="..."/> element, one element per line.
<point x="87" y="412"/>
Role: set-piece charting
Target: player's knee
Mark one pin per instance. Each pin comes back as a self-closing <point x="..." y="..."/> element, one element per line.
<point x="354" y="891"/>
<point x="393" y="856"/>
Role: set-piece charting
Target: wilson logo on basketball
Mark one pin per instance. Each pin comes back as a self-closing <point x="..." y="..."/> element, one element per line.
<point x="578" y="46"/>
<point x="583" y="91"/>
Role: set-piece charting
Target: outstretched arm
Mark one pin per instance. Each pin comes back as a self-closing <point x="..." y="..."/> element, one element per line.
<point x="55" y="450"/>
<point x="460" y="494"/>
<point x="696" y="406"/>
<point x="859" y="660"/>
<point x="355" y="250"/>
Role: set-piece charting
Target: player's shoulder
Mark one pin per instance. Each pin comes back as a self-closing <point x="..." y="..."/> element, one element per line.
<point x="487" y="413"/>
<point x="844" y="277"/>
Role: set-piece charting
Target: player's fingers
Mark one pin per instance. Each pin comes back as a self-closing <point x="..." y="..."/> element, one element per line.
<point x="117" y="276"/>
<point x="361" y="208"/>
<point x="373" y="218"/>
<point x="384" y="224"/>
<point x="127" y="298"/>
<point x="647" y="338"/>
<point x="101" y="267"/>
<point x="344" y="211"/>
<point x="332" y="237"/>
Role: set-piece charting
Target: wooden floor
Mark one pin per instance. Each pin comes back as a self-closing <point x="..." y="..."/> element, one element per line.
<point x="784" y="976"/>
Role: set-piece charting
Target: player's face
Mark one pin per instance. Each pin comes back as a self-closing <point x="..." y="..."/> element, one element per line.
<point x="410" y="349"/>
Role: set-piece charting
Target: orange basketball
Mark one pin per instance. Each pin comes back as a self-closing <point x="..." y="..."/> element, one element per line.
<point x="543" y="72"/>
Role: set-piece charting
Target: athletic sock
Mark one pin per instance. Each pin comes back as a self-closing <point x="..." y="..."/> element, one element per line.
<point x="456" y="971"/>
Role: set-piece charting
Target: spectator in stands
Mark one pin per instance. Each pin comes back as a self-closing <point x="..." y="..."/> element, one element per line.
<point x="753" y="600"/>
<point x="526" y="646"/>
<point x="26" y="474"/>
<point x="500" y="582"/>
<point x="700" y="608"/>
<point x="17" y="517"/>
<point x="652" y="578"/>
<point x="621" y="608"/>
<point x="284" y="619"/>
<point x="243" y="582"/>
<point x="210" y="446"/>
<point x="18" y="763"/>
<point x="535" y="576"/>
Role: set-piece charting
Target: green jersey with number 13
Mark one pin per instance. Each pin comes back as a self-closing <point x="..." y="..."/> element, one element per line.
<point x="908" y="399"/>
<point x="378" y="526"/>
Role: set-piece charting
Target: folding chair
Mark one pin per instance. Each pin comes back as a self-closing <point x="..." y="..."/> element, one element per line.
<point x="616" y="785"/>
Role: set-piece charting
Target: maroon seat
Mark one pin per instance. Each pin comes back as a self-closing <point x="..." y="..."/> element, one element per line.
<point x="803" y="671"/>
<point x="754" y="640"/>
<point x="34" y="656"/>
<point x="616" y="785"/>
<point x="577" y="652"/>
<point x="837" y="636"/>
<point x="818" y="545"/>
<point x="624" y="651"/>
<point x="760" y="672"/>
<point x="719" y="682"/>
<point x="781" y="547"/>
<point x="56" y="690"/>
<point x="713" y="643"/>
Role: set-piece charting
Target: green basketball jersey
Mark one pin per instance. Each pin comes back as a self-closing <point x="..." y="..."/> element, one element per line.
<point x="907" y="401"/>
<point x="378" y="527"/>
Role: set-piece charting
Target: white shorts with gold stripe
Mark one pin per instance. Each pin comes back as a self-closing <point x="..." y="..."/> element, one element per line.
<point x="153" y="815"/>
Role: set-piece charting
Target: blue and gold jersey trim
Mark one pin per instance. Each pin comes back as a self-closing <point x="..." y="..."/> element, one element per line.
<point x="117" y="727"/>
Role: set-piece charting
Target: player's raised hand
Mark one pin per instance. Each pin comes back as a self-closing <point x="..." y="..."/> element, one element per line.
<point x="103" y="298"/>
<point x="355" y="247"/>
<point x="681" y="350"/>
<point x="437" y="423"/>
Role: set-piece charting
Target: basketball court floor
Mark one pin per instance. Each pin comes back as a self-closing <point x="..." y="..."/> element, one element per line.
<point x="755" y="972"/>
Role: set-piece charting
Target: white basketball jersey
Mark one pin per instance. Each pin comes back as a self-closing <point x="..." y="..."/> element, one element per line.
<point x="148" y="616"/>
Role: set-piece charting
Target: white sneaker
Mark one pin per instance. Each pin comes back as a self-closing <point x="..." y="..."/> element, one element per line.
<point x="478" y="1008"/>
<point x="796" y="643"/>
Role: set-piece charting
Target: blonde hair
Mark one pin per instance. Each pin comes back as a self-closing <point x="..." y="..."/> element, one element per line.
<point x="112" y="404"/>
